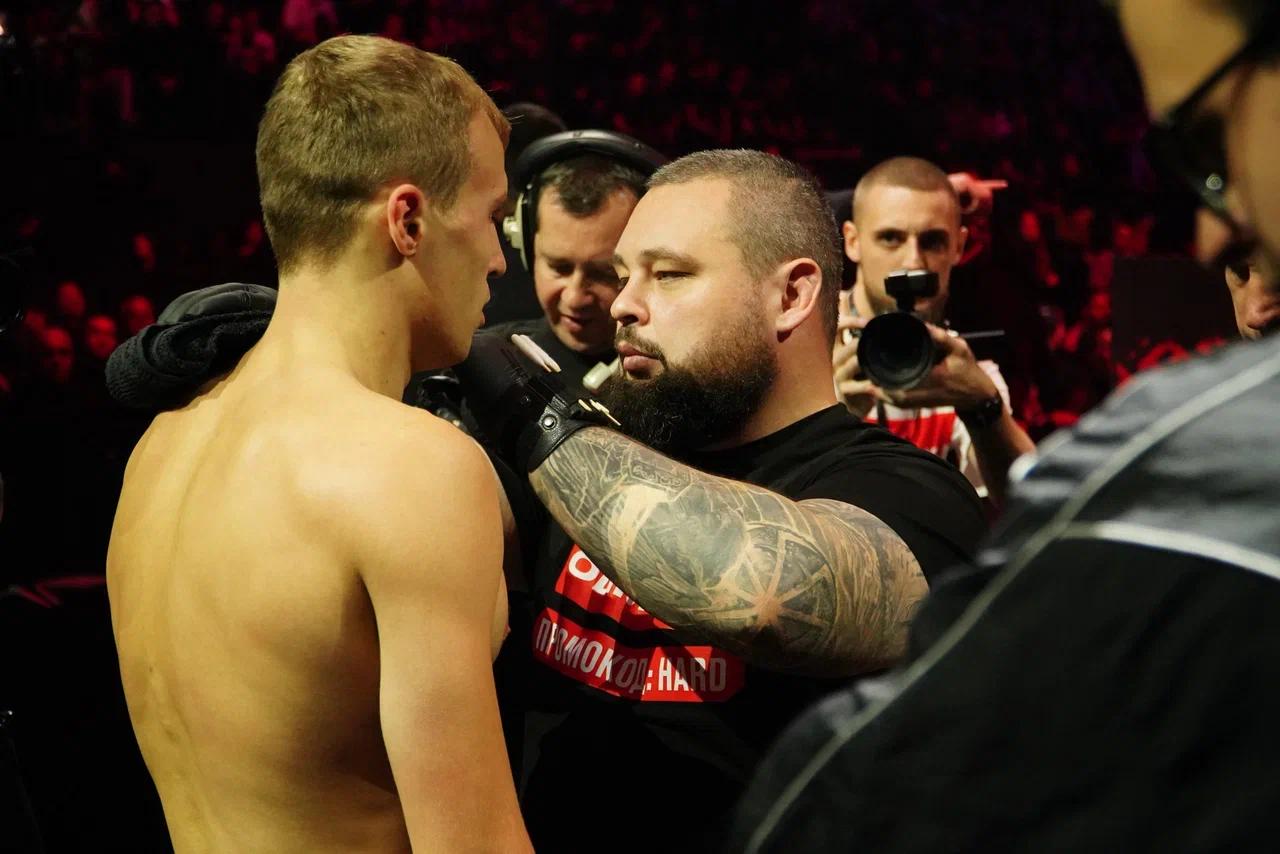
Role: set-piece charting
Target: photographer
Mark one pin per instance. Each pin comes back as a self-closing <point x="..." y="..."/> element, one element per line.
<point x="907" y="216"/>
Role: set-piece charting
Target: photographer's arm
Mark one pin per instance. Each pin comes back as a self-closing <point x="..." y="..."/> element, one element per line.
<point x="815" y="586"/>
<point x="959" y="381"/>
<point x="996" y="447"/>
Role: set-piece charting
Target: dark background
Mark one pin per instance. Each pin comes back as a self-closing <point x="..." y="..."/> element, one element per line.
<point x="127" y="131"/>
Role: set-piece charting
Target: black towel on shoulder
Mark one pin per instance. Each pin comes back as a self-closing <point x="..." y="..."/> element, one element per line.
<point x="199" y="335"/>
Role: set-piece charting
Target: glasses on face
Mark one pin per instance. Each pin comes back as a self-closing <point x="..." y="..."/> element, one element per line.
<point x="1190" y="142"/>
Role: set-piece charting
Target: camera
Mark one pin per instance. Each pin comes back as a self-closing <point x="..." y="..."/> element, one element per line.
<point x="896" y="350"/>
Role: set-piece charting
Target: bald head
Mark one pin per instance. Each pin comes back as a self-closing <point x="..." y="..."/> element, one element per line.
<point x="1249" y="13"/>
<point x="906" y="216"/>
<point x="912" y="173"/>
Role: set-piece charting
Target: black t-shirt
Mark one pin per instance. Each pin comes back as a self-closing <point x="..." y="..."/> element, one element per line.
<point x="633" y="737"/>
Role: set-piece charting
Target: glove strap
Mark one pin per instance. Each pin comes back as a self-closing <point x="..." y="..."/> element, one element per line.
<point x="560" y="419"/>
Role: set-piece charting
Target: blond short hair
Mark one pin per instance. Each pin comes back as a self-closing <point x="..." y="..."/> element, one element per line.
<point x="347" y="117"/>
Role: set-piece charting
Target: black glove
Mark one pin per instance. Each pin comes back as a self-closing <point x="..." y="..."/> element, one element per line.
<point x="439" y="393"/>
<point x="198" y="336"/>
<point x="525" y="410"/>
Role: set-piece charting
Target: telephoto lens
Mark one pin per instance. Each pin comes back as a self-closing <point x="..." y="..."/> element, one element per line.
<point x="896" y="350"/>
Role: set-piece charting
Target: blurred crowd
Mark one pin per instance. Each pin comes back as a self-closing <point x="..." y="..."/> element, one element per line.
<point x="131" y="125"/>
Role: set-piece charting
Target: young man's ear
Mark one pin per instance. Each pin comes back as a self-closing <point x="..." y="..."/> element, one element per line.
<point x="406" y="218"/>
<point x="961" y="241"/>
<point x="852" y="249"/>
<point x="800" y="294"/>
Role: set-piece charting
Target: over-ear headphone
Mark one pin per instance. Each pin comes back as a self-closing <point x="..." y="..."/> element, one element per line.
<point x="521" y="227"/>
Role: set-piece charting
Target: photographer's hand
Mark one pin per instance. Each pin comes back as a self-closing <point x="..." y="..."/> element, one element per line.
<point x="857" y="393"/>
<point x="956" y="380"/>
<point x="959" y="381"/>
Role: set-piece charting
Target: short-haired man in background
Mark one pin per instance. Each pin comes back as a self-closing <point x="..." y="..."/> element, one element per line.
<point x="906" y="215"/>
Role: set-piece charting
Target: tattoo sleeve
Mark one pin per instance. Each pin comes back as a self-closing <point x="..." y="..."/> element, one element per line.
<point x="815" y="586"/>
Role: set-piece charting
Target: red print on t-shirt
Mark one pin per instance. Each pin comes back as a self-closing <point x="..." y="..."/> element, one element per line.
<point x="670" y="672"/>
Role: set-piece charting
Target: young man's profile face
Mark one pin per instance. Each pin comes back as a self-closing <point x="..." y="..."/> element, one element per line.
<point x="461" y="250"/>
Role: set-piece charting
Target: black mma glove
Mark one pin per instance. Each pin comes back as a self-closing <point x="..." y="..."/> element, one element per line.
<point x="439" y="393"/>
<point x="198" y="336"/>
<point x="523" y="408"/>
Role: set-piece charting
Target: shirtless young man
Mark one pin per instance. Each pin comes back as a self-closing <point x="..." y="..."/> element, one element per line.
<point x="305" y="574"/>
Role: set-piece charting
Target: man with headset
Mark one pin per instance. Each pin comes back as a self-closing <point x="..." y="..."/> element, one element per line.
<point x="577" y="191"/>
<point x="511" y="295"/>
<point x="574" y="192"/>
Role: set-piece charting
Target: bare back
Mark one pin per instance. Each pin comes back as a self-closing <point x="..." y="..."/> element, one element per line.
<point x="249" y="643"/>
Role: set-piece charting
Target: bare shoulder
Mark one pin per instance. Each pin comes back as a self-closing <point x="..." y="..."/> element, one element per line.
<point x="421" y="490"/>
<point x="423" y="456"/>
<point x="423" y="446"/>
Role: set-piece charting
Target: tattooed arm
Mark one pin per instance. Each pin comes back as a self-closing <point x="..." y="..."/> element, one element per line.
<point x="814" y="586"/>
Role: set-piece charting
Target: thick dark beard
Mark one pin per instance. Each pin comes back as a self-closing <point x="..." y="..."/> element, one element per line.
<point x="699" y="403"/>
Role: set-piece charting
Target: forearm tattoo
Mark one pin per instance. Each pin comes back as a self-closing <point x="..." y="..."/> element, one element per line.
<point x="817" y="586"/>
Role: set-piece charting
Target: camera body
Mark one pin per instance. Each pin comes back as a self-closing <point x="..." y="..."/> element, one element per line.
<point x="896" y="350"/>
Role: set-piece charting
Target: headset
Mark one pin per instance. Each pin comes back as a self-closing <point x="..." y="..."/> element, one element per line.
<point x="521" y="227"/>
